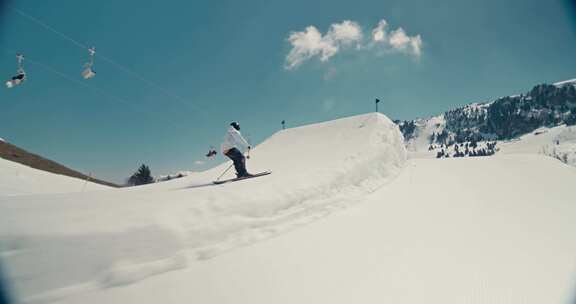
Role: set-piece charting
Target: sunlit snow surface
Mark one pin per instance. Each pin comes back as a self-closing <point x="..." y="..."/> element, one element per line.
<point x="475" y="230"/>
<point x="566" y="82"/>
<point x="17" y="179"/>
<point x="58" y="246"/>
<point x="494" y="230"/>
<point x="557" y="142"/>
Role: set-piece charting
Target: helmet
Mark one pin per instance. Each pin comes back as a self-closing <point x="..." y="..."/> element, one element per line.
<point x="235" y="125"/>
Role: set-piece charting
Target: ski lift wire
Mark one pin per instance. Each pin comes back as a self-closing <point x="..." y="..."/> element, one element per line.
<point x="37" y="21"/>
<point x="92" y="87"/>
<point x="107" y="59"/>
<point x="148" y="82"/>
<point x="82" y="83"/>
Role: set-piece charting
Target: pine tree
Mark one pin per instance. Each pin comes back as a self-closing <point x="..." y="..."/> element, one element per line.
<point x="141" y="177"/>
<point x="432" y="138"/>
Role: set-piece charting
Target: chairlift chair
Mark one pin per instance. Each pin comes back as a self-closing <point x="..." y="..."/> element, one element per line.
<point x="88" y="72"/>
<point x="20" y="73"/>
<point x="211" y="152"/>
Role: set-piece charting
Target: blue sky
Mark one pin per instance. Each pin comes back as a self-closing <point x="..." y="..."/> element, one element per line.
<point x="194" y="66"/>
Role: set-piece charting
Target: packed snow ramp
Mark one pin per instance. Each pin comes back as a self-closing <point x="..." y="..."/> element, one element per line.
<point x="117" y="237"/>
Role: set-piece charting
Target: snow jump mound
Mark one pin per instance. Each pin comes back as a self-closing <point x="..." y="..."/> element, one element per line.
<point x="316" y="168"/>
<point x="110" y="238"/>
<point x="348" y="156"/>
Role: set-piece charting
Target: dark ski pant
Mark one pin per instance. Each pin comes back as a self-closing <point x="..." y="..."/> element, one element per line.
<point x="239" y="161"/>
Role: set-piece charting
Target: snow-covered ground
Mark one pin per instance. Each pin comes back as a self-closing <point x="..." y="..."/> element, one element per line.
<point x="17" y="179"/>
<point x="558" y="142"/>
<point x="497" y="230"/>
<point x="424" y="129"/>
<point x="566" y="82"/>
<point x="461" y="230"/>
<point x="58" y="246"/>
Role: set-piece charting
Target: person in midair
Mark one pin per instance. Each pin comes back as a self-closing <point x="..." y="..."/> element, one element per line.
<point x="233" y="146"/>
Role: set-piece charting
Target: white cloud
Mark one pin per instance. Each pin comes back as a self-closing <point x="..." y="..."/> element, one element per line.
<point x="416" y="44"/>
<point x="312" y="43"/>
<point x="379" y="32"/>
<point x="307" y="44"/>
<point x="400" y="41"/>
<point x="344" y="33"/>
<point x="199" y="162"/>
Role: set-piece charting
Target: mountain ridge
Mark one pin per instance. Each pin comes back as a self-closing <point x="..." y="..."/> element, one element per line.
<point x="545" y="105"/>
<point x="16" y="154"/>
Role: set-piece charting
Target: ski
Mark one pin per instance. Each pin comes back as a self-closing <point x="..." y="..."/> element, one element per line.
<point x="241" y="178"/>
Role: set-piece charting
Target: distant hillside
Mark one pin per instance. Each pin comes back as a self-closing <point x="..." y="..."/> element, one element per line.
<point x="545" y="105"/>
<point x="15" y="154"/>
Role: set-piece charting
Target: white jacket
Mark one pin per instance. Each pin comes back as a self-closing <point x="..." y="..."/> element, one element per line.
<point x="233" y="139"/>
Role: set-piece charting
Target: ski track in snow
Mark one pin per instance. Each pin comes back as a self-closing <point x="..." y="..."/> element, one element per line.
<point x="113" y="238"/>
<point x="462" y="230"/>
<point x="109" y="242"/>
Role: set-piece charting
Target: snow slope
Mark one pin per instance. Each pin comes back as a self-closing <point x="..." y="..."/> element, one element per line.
<point x="113" y="238"/>
<point x="558" y="142"/>
<point x="477" y="118"/>
<point x="566" y="82"/>
<point x="17" y="179"/>
<point x="462" y="230"/>
<point x="424" y="129"/>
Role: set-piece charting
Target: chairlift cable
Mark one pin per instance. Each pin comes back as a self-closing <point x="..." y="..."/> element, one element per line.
<point x="92" y="87"/>
<point x="107" y="59"/>
<point x="37" y="21"/>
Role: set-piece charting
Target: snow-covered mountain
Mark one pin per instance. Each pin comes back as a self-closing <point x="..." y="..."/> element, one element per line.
<point x="566" y="83"/>
<point x="557" y="142"/>
<point x="502" y="119"/>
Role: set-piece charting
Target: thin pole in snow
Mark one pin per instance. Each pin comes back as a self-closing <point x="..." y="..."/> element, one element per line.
<point x="86" y="181"/>
<point x="283" y="125"/>
<point x="377" y="101"/>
